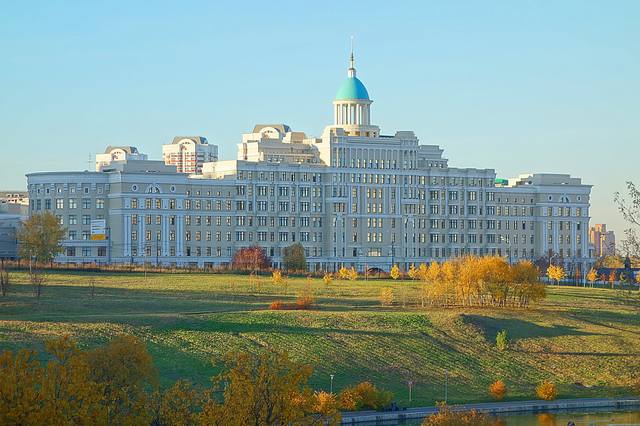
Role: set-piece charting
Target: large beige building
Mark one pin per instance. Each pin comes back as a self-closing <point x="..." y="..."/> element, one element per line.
<point x="353" y="196"/>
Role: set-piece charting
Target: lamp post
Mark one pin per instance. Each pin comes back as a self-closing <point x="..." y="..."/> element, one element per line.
<point x="550" y="258"/>
<point x="410" y="383"/>
<point x="331" y="386"/>
<point x="446" y="385"/>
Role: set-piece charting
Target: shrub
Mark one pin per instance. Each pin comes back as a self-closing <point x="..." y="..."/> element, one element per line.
<point x="305" y="301"/>
<point x="546" y="390"/>
<point x="327" y="278"/>
<point x="502" y="340"/>
<point x="446" y="417"/>
<point x="277" y="305"/>
<point x="364" y="395"/>
<point x="497" y="390"/>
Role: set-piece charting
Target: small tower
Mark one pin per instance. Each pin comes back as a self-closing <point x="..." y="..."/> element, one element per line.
<point x="352" y="106"/>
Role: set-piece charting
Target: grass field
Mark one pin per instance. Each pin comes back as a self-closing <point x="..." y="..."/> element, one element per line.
<point x="586" y="340"/>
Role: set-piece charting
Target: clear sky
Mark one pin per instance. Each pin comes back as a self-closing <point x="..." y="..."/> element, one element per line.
<point x="519" y="86"/>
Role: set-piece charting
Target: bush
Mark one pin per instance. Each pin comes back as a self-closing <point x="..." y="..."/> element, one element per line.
<point x="547" y="391"/>
<point x="277" y="305"/>
<point x="327" y="278"/>
<point x="497" y="390"/>
<point x="502" y="340"/>
<point x="446" y="417"/>
<point x="364" y="395"/>
<point x="305" y="301"/>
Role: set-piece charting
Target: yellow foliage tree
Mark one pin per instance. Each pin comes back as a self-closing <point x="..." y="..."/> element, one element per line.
<point x="386" y="296"/>
<point x="497" y="390"/>
<point x="556" y="273"/>
<point x="546" y="390"/>
<point x="395" y="272"/>
<point x="364" y="395"/>
<point x="276" y="277"/>
<point x="343" y="273"/>
<point x="446" y="417"/>
<point x="352" y="274"/>
<point x="592" y="276"/>
<point x="127" y="371"/>
<point x="413" y="272"/>
<point x="178" y="406"/>
<point x="266" y="389"/>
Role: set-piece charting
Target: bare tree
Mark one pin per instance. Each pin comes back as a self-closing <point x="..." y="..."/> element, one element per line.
<point x="629" y="206"/>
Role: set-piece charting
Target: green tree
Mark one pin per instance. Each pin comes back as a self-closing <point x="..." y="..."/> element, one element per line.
<point x="39" y="239"/>
<point x="294" y="258"/>
<point x="502" y="340"/>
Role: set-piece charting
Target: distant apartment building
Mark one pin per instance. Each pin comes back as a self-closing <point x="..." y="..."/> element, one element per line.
<point x="14" y="208"/>
<point x="189" y="153"/>
<point x="603" y="241"/>
<point x="114" y="154"/>
<point x="353" y="196"/>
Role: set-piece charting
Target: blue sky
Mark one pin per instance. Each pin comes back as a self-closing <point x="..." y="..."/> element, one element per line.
<point x="541" y="86"/>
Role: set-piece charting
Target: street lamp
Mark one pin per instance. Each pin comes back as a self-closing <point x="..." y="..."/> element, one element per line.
<point x="446" y="385"/>
<point x="410" y="383"/>
<point x="331" y="388"/>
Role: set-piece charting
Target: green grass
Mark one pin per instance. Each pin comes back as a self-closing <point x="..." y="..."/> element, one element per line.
<point x="586" y="340"/>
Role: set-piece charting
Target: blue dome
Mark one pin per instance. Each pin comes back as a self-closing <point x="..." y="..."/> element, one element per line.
<point x="352" y="88"/>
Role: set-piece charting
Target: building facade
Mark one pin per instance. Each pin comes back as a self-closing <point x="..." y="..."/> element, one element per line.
<point x="189" y="153"/>
<point x="603" y="241"/>
<point x="352" y="197"/>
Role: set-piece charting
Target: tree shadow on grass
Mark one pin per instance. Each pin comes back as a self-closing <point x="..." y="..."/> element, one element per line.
<point x="519" y="329"/>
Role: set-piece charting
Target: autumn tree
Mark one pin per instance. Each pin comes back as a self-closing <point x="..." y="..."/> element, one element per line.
<point x="253" y="258"/>
<point x="446" y="417"/>
<point x="60" y="392"/>
<point x="39" y="239"/>
<point x="352" y="274"/>
<point x="498" y="390"/>
<point x="592" y="276"/>
<point x="127" y="371"/>
<point x="343" y="273"/>
<point x="178" y="406"/>
<point x="264" y="389"/>
<point x="363" y="396"/>
<point x="612" y="277"/>
<point x="294" y="258"/>
<point x="386" y="296"/>
<point x="395" y="272"/>
<point x="413" y="272"/>
<point x="546" y="390"/>
<point x="556" y="273"/>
